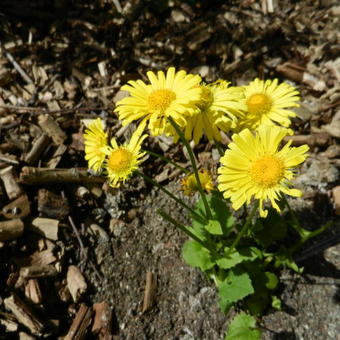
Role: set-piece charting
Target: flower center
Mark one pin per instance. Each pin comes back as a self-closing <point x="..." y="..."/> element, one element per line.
<point x="259" y="104"/>
<point x="267" y="171"/>
<point x="206" y="98"/>
<point x="161" y="99"/>
<point x="120" y="160"/>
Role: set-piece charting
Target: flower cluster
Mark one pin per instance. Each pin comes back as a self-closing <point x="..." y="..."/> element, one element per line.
<point x="253" y="166"/>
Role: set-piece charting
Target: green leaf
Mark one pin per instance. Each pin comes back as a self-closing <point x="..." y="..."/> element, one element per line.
<point x="214" y="228"/>
<point x="236" y="257"/>
<point x="220" y="212"/>
<point x="196" y="255"/>
<point x="235" y="287"/>
<point x="243" y="327"/>
<point x="258" y="302"/>
<point x="270" y="229"/>
<point x="282" y="260"/>
<point x="276" y="302"/>
<point x="271" y="280"/>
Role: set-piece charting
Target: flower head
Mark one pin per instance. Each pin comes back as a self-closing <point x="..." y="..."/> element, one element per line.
<point x="123" y="160"/>
<point x="267" y="103"/>
<point x="189" y="184"/>
<point x="218" y="110"/>
<point x="95" y="140"/>
<point x="174" y="94"/>
<point x="254" y="167"/>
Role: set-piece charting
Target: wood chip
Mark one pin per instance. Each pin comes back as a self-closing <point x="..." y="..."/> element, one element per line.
<point x="12" y="188"/>
<point x="102" y="321"/>
<point x="33" y="272"/>
<point x="52" y="205"/>
<point x="75" y="282"/>
<point x="32" y="291"/>
<point x="47" y="227"/>
<point x="24" y="314"/>
<point x="56" y="157"/>
<point x="336" y="199"/>
<point x="38" y="147"/>
<point x="52" y="129"/>
<point x="80" y="324"/>
<point x="10" y="230"/>
<point x="19" y="208"/>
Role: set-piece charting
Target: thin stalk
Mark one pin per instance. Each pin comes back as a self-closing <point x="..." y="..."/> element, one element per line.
<point x="194" y="167"/>
<point x="179" y="201"/>
<point x="186" y="171"/>
<point x="187" y="231"/>
<point x="243" y="230"/>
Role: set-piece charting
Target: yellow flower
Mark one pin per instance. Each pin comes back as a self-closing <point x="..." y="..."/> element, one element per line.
<point x="174" y="94"/>
<point x="267" y="103"/>
<point x="123" y="160"/>
<point x="254" y="167"/>
<point x="189" y="183"/>
<point x="218" y="110"/>
<point x="95" y="140"/>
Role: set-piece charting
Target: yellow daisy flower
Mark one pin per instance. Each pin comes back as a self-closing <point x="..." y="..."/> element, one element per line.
<point x="254" y="167"/>
<point x="189" y="183"/>
<point x="123" y="160"/>
<point x="95" y="140"/>
<point x="218" y="109"/>
<point x="267" y="103"/>
<point x="174" y="94"/>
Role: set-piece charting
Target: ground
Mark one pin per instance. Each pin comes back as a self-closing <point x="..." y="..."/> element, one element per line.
<point x="69" y="60"/>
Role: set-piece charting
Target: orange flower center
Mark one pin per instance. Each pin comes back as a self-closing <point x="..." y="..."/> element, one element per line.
<point x="259" y="104"/>
<point x="120" y="160"/>
<point x="267" y="171"/>
<point x="161" y="99"/>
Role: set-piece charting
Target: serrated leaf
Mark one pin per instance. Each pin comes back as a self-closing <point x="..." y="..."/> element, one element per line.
<point x="196" y="255"/>
<point x="214" y="227"/>
<point x="243" y="327"/>
<point x="220" y="212"/>
<point x="235" y="287"/>
<point x="236" y="257"/>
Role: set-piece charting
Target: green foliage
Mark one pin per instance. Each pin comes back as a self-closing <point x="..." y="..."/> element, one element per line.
<point x="243" y="327"/>
<point x="235" y="287"/>
<point x="196" y="255"/>
<point x="244" y="254"/>
<point x="268" y="230"/>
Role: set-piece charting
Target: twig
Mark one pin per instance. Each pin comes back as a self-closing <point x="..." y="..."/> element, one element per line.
<point x="16" y="65"/>
<point x="82" y="248"/>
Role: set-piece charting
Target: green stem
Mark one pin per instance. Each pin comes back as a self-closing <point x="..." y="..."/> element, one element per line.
<point x="194" y="167"/>
<point x="186" y="171"/>
<point x="187" y="231"/>
<point x="243" y="230"/>
<point x="179" y="201"/>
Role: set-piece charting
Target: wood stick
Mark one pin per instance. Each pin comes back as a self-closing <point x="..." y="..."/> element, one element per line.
<point x="34" y="176"/>
<point x="80" y="324"/>
<point x="52" y="129"/>
<point x="12" y="188"/>
<point x="11" y="229"/>
<point x="37" y="149"/>
<point x="149" y="292"/>
<point x="24" y="314"/>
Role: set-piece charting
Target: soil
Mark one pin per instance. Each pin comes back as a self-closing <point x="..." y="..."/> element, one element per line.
<point x="77" y="55"/>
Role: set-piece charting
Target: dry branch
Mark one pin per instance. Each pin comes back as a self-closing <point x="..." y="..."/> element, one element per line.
<point x="34" y="176"/>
